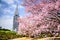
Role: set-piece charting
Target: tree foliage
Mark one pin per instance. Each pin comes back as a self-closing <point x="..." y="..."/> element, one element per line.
<point x="44" y="18"/>
<point x="6" y="34"/>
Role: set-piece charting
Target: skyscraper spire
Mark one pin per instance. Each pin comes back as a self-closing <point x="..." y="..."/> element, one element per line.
<point x="16" y="11"/>
<point x="15" y="23"/>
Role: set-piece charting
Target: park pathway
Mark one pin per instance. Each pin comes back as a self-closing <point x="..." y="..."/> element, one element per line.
<point x="49" y="38"/>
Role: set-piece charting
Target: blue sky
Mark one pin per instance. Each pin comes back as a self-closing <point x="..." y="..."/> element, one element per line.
<point x="7" y="10"/>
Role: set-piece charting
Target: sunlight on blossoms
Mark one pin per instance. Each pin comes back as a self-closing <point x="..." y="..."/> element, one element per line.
<point x="43" y="18"/>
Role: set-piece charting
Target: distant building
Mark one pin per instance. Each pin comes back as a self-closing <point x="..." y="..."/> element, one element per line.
<point x="0" y="27"/>
<point x="15" y="23"/>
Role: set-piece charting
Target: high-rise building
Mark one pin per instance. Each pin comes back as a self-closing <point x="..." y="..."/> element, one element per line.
<point x="0" y="27"/>
<point x="15" y="23"/>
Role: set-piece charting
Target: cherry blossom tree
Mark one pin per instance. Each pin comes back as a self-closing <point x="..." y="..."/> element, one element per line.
<point x="44" y="17"/>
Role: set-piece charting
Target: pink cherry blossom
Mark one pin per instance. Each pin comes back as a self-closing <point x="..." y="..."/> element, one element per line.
<point x="43" y="17"/>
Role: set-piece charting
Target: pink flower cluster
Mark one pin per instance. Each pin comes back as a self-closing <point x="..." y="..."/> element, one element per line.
<point x="43" y="18"/>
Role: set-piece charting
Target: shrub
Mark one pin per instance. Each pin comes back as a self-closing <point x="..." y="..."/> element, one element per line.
<point x="7" y="34"/>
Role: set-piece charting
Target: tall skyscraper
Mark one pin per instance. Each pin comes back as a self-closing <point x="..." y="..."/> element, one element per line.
<point x="0" y="27"/>
<point x="15" y="23"/>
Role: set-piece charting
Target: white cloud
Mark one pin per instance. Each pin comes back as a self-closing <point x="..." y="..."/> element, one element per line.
<point x="20" y="6"/>
<point x="9" y="10"/>
<point x="14" y="6"/>
<point x="0" y="5"/>
<point x="6" y="22"/>
<point x="6" y="11"/>
<point x="9" y="1"/>
<point x="16" y="0"/>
